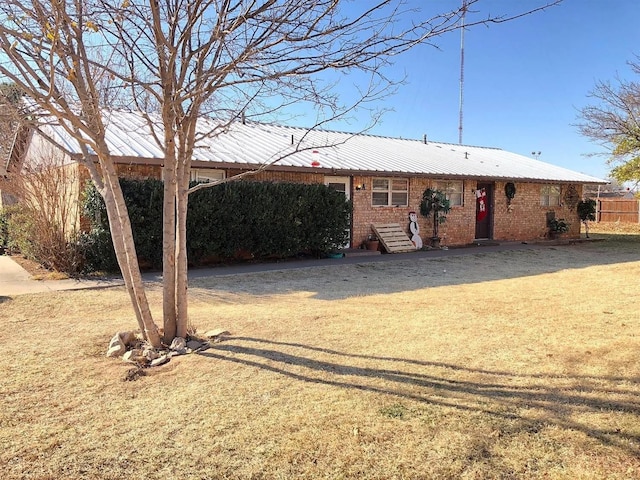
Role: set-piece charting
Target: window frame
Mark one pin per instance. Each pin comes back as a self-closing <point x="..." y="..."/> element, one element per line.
<point x="444" y="186"/>
<point x="199" y="175"/>
<point x="547" y="192"/>
<point x="390" y="191"/>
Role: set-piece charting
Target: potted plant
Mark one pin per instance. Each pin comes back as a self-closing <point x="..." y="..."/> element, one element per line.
<point x="557" y="227"/>
<point x="434" y="202"/>
<point x="372" y="242"/>
<point x="587" y="212"/>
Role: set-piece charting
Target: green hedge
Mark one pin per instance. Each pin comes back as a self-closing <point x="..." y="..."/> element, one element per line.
<point x="256" y="219"/>
<point x="4" y="231"/>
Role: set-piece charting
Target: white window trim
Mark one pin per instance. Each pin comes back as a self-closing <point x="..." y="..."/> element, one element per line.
<point x="206" y="175"/>
<point x="390" y="191"/>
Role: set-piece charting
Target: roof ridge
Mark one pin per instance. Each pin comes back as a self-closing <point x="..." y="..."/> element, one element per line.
<point x="364" y="134"/>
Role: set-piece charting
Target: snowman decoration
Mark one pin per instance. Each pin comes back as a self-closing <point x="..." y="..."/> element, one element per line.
<point x="415" y="230"/>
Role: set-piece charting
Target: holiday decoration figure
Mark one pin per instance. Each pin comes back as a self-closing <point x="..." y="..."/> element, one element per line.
<point x="481" y="195"/>
<point x="415" y="230"/>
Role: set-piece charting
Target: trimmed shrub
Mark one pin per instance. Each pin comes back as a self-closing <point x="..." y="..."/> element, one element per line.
<point x="227" y="221"/>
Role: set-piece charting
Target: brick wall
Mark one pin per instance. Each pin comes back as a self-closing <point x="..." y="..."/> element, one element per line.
<point x="143" y="172"/>
<point x="525" y="219"/>
<point x="139" y="172"/>
<point x="276" y="176"/>
<point x="457" y="230"/>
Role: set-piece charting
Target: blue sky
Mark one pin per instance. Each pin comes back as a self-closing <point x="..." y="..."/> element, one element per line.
<point x="524" y="80"/>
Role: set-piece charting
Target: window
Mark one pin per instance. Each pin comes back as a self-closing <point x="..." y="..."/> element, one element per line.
<point x="389" y="192"/>
<point x="550" y="195"/>
<point x="203" y="175"/>
<point x="453" y="191"/>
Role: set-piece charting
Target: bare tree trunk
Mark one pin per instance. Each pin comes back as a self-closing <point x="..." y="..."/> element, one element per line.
<point x="181" y="256"/>
<point x="122" y="236"/>
<point x="168" y="251"/>
<point x="174" y="257"/>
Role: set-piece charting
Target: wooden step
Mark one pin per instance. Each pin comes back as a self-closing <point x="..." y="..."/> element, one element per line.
<point x="393" y="238"/>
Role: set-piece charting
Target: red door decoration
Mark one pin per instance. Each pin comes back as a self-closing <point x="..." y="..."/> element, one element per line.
<point x="481" y="195"/>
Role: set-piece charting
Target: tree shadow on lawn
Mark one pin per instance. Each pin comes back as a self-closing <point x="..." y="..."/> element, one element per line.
<point x="499" y="394"/>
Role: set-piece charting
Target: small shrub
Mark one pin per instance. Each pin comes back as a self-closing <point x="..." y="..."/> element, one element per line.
<point x="41" y="239"/>
<point x="558" y="225"/>
<point x="4" y="231"/>
<point x="586" y="212"/>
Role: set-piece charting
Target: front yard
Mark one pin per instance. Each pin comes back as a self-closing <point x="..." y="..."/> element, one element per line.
<point x="490" y="365"/>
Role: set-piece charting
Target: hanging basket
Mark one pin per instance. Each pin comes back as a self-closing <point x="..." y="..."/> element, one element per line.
<point x="510" y="192"/>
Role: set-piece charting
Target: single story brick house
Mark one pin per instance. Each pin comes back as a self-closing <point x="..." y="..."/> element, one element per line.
<point x="384" y="177"/>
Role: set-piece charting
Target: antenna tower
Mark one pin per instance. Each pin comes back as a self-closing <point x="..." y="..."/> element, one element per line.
<point x="464" y="11"/>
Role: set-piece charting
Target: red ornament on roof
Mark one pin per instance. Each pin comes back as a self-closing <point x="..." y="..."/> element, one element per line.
<point x="315" y="162"/>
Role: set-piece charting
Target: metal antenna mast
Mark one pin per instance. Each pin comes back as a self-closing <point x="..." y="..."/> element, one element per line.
<point x="464" y="11"/>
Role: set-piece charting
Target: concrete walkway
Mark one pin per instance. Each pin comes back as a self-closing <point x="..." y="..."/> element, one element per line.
<point x="15" y="280"/>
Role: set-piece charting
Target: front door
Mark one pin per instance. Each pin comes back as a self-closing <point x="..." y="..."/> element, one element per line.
<point x="341" y="184"/>
<point x="484" y="217"/>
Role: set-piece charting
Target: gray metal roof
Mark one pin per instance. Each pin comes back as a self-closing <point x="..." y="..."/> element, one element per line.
<point x="253" y="144"/>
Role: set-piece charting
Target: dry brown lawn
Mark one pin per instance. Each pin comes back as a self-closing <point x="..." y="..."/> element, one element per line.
<point x="512" y="365"/>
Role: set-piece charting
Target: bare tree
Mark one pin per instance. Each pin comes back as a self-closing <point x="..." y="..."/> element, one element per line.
<point x="45" y="219"/>
<point x="613" y="121"/>
<point x="178" y="60"/>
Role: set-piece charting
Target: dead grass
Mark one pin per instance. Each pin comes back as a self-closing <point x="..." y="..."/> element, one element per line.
<point x="508" y="365"/>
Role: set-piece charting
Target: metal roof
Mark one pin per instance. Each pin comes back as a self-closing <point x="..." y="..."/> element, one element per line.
<point x="250" y="144"/>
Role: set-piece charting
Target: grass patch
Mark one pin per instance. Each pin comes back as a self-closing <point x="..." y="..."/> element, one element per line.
<point x="397" y="410"/>
<point x="518" y="364"/>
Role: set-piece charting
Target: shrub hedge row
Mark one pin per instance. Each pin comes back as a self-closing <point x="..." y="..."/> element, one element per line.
<point x="254" y="219"/>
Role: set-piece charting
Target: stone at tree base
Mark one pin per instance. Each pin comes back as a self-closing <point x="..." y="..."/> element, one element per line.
<point x="150" y="354"/>
<point x="128" y="338"/>
<point x="159" y="361"/>
<point x="179" y="345"/>
<point x="116" y="346"/>
<point x="119" y="343"/>
<point x="135" y="356"/>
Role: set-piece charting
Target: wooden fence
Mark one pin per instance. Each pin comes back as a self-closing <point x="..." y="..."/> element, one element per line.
<point x="623" y="210"/>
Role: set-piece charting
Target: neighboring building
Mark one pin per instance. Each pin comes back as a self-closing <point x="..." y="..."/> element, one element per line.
<point x="384" y="177"/>
<point x="611" y="190"/>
